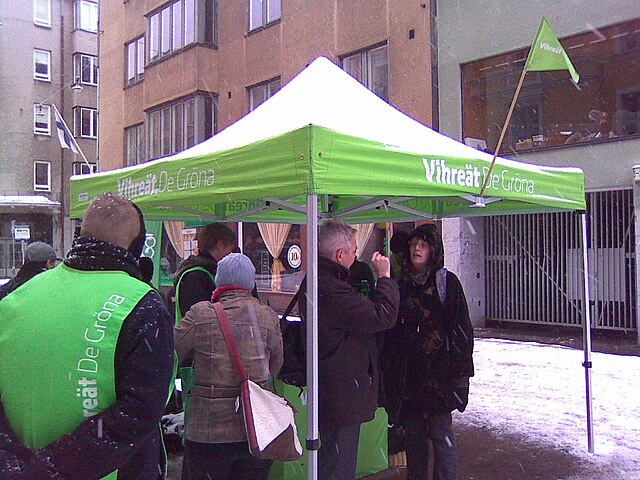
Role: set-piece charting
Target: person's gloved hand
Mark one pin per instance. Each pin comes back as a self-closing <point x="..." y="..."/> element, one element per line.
<point x="461" y="393"/>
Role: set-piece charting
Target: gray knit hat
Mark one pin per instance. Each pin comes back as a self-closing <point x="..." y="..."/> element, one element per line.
<point x="236" y="269"/>
<point x="39" y="252"/>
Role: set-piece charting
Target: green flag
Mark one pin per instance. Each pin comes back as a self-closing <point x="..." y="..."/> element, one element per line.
<point x="547" y="54"/>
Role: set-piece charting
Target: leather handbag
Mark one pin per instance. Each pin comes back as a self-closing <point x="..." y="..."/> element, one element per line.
<point x="268" y="418"/>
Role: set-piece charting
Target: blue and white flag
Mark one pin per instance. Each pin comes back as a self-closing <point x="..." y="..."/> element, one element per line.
<point x="64" y="135"/>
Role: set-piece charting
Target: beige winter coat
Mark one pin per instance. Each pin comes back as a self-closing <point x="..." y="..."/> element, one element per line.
<point x="213" y="415"/>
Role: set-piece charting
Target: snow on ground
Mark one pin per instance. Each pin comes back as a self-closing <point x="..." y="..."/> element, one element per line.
<point x="538" y="391"/>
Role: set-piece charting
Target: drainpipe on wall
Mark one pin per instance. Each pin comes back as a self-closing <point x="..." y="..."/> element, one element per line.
<point x="63" y="203"/>
<point x="636" y="211"/>
<point x="435" y="109"/>
<point x="99" y="34"/>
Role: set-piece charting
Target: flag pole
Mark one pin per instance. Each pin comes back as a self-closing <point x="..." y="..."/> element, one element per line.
<point x="73" y="139"/>
<point x="504" y="130"/>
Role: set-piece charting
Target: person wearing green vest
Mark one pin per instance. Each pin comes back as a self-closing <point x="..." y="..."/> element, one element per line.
<point x="86" y="360"/>
<point x="194" y="279"/>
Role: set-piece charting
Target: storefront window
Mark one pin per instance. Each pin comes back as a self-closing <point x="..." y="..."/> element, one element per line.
<point x="550" y="110"/>
<point x="290" y="256"/>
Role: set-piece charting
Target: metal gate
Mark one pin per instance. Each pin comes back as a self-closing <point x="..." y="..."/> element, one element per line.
<point x="10" y="257"/>
<point x="534" y="265"/>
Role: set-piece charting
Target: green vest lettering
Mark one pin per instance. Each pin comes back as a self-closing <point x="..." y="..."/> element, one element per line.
<point x="58" y="337"/>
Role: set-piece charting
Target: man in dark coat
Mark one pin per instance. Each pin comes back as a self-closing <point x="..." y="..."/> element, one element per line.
<point x="124" y="434"/>
<point x="194" y="279"/>
<point x="348" y="353"/>
<point x="38" y="258"/>
<point x="427" y="357"/>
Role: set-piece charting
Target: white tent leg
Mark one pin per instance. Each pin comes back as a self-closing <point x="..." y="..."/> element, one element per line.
<point x="586" y="335"/>
<point x="313" y="440"/>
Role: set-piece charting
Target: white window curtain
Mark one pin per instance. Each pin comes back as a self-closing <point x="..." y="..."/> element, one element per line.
<point x="275" y="236"/>
<point x="174" y="232"/>
<point x="363" y="233"/>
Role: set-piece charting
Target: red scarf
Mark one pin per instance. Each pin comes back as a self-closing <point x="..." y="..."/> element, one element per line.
<point x="218" y="292"/>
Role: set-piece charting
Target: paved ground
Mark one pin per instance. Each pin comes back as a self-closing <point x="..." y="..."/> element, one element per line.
<point x="485" y="456"/>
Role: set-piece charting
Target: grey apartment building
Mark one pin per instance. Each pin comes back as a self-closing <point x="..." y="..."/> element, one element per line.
<point x="525" y="268"/>
<point x="48" y="60"/>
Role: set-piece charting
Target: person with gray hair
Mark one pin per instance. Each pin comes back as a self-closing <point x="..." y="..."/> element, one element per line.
<point x="215" y="439"/>
<point x="86" y="360"/>
<point x="349" y="376"/>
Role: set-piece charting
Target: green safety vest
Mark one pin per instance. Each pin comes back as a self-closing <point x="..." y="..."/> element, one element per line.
<point x="189" y="270"/>
<point x="58" y="337"/>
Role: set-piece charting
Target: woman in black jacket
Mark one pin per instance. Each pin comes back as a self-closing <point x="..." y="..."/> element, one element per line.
<point x="427" y="358"/>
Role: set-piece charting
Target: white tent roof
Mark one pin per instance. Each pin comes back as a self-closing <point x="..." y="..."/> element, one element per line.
<point x="326" y="96"/>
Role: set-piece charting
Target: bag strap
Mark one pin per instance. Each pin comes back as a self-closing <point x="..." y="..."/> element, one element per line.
<point x="294" y="300"/>
<point x="441" y="285"/>
<point x="231" y="343"/>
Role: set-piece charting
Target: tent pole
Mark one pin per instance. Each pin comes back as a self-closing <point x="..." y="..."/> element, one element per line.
<point x="586" y="334"/>
<point x="313" y="438"/>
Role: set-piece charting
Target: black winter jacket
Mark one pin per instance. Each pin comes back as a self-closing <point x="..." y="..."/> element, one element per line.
<point x="348" y="354"/>
<point x="428" y="350"/>
<point x="196" y="286"/>
<point x="26" y="273"/>
<point x="126" y="436"/>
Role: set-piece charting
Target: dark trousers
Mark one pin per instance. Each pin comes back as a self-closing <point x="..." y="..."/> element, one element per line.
<point x="445" y="457"/>
<point x="338" y="452"/>
<point x="222" y="461"/>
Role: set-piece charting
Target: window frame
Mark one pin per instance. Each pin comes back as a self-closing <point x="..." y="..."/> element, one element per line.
<point x="93" y="167"/>
<point x="194" y="126"/>
<point x="79" y="24"/>
<point x="94" y="70"/>
<point x="366" y="66"/>
<point x="38" y="21"/>
<point x="265" y="12"/>
<point x="140" y="144"/>
<point x="193" y="28"/>
<point x="41" y="131"/>
<point x="36" y="75"/>
<point x="78" y="122"/>
<point x="137" y="44"/>
<point x="41" y="187"/>
<point x="267" y="85"/>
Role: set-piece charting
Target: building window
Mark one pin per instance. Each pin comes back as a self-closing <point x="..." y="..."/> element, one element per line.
<point x="87" y="15"/>
<point x="42" y="12"/>
<point x="550" y="111"/>
<point x="371" y="68"/>
<point x="41" y="176"/>
<point x="179" y="24"/>
<point x="263" y="12"/>
<point x="134" y="145"/>
<point x="84" y="168"/>
<point x="86" y="68"/>
<point x="179" y="125"/>
<point x="85" y="122"/>
<point x="42" y="65"/>
<point x="260" y="92"/>
<point x="42" y="119"/>
<point x="134" y="58"/>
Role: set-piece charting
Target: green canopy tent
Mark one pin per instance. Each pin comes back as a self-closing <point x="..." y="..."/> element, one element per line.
<point x="326" y="147"/>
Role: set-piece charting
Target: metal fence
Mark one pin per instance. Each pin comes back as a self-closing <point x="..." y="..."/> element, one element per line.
<point x="534" y="265"/>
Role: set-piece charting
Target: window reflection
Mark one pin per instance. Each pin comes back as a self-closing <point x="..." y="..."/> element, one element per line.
<point x="551" y="111"/>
